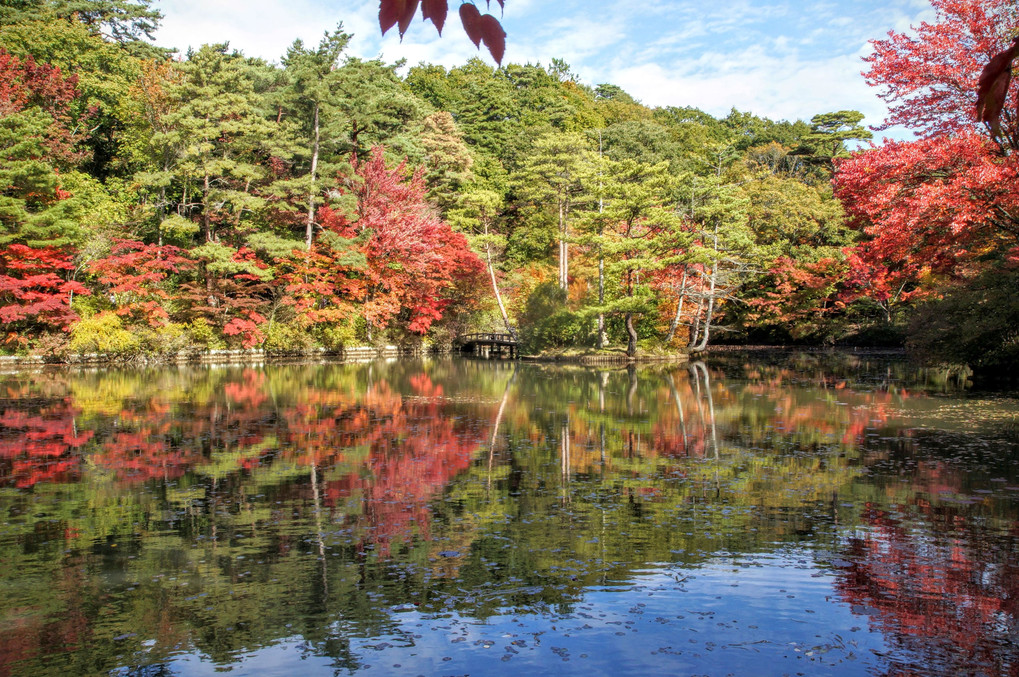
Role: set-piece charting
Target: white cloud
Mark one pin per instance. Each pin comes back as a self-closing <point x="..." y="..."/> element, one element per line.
<point x="780" y="59"/>
<point x="257" y="27"/>
<point x="779" y="88"/>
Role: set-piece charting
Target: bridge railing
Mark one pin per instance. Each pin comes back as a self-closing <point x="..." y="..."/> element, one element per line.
<point x="486" y="337"/>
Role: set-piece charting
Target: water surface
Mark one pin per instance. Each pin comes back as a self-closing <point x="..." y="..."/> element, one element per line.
<point x="801" y="515"/>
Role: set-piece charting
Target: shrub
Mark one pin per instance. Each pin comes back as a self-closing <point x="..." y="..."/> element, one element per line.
<point x="204" y="335"/>
<point x="103" y="333"/>
<point x="547" y="323"/>
<point x="339" y="336"/>
<point x="169" y="339"/>
<point x="286" y="338"/>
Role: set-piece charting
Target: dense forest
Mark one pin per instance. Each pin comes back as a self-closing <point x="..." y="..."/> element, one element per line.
<point x="156" y="204"/>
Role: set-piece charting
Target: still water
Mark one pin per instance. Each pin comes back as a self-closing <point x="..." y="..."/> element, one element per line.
<point x="803" y="515"/>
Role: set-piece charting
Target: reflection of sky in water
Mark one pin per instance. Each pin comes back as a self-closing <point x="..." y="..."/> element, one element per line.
<point x="749" y="616"/>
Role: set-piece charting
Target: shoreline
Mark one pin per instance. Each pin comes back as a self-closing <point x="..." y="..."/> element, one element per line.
<point x="250" y="356"/>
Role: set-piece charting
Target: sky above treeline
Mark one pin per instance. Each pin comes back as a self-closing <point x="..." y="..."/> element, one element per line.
<point x="784" y="60"/>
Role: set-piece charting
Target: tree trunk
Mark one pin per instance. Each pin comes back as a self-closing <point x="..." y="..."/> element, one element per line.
<point x="310" y="230"/>
<point x="602" y="338"/>
<point x="563" y="276"/>
<point x="706" y="332"/>
<point x="631" y="344"/>
<point x="495" y="288"/>
<point x="679" y="312"/>
<point x="206" y="218"/>
<point x="695" y="328"/>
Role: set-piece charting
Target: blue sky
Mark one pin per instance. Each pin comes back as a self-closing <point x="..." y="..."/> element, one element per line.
<point x="780" y="59"/>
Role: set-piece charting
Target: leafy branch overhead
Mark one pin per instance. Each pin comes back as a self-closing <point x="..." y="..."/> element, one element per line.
<point x="480" y="28"/>
<point x="993" y="86"/>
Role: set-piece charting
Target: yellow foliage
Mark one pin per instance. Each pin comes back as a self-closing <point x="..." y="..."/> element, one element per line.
<point x="103" y="333"/>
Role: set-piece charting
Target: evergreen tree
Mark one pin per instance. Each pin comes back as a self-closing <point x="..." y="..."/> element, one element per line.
<point x="311" y="101"/>
<point x="553" y="177"/>
<point x="641" y="236"/>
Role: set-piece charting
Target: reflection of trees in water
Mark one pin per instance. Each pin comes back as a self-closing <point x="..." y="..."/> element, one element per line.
<point x="287" y="472"/>
<point x="39" y="442"/>
<point x="942" y="587"/>
<point x="869" y="370"/>
<point x="329" y="494"/>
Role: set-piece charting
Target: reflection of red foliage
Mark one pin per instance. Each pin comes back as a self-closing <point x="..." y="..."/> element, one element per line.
<point x="424" y="387"/>
<point x="413" y="451"/>
<point x="950" y="601"/>
<point x="40" y="447"/>
<point x="250" y="393"/>
<point x="141" y="455"/>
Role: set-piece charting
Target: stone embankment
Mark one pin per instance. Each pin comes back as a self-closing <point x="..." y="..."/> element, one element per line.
<point x="220" y="357"/>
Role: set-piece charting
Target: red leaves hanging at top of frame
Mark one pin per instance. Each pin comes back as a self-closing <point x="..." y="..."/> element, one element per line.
<point x="993" y="87"/>
<point x="480" y="28"/>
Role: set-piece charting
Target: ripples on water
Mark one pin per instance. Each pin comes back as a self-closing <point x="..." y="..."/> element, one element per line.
<point x="793" y="516"/>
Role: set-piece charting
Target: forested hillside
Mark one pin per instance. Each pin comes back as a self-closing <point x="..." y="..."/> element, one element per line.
<point x="158" y="203"/>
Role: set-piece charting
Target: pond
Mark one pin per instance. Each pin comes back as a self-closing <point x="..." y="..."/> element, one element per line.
<point x="838" y="515"/>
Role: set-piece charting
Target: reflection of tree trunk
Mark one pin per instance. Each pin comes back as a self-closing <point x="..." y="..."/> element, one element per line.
<point x="495" y="287"/>
<point x="703" y="369"/>
<point x="319" y="537"/>
<point x="601" y="444"/>
<point x="495" y="426"/>
<point x="214" y="532"/>
<point x="603" y="379"/>
<point x="631" y="372"/>
<point x="679" y="409"/>
<point x="564" y="458"/>
<point x="698" y="398"/>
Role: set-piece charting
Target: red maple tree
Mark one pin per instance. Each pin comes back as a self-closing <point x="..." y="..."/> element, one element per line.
<point x="37" y="120"/>
<point x="412" y="259"/>
<point x="943" y="203"/>
<point x="134" y="274"/>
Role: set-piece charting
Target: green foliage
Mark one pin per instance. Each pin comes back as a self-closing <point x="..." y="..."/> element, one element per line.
<point x="124" y="21"/>
<point x="204" y="335"/>
<point x="976" y="324"/>
<point x="286" y="338"/>
<point x="223" y="260"/>
<point x="547" y="322"/>
<point x="177" y="228"/>
<point x="104" y="333"/>
<point x="170" y="339"/>
<point x="339" y="336"/>
<point x="831" y="132"/>
<point x="231" y="162"/>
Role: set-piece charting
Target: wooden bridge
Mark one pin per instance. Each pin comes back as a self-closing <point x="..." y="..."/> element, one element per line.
<point x="485" y="345"/>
